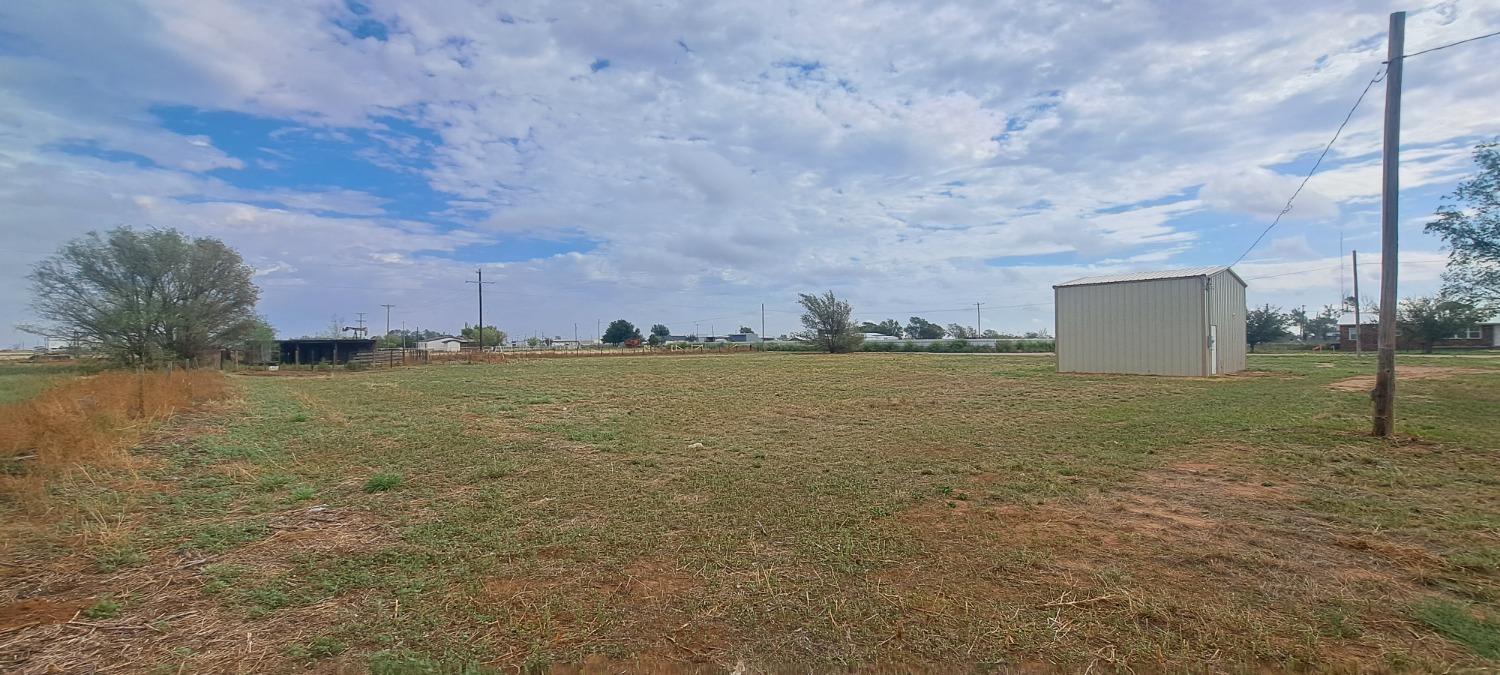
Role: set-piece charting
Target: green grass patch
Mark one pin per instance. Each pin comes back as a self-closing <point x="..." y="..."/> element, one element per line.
<point x="106" y="607"/>
<point x="1462" y="624"/>
<point x="381" y="482"/>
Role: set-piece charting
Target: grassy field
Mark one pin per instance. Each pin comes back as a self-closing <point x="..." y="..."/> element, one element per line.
<point x="781" y="511"/>
<point x="19" y="381"/>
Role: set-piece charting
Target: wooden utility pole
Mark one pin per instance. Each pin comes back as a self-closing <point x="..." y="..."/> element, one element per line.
<point x="387" y="319"/>
<point x="978" y="321"/>
<point x="1359" y="330"/>
<point x="1384" y="395"/>
<point x="480" y="284"/>
<point x="762" y="326"/>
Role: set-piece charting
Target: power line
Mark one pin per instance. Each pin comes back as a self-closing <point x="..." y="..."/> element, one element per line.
<point x="479" y="330"/>
<point x="1434" y="261"/>
<point x="1450" y="44"/>
<point x="1287" y="274"/>
<point x="1379" y="75"/>
<point x="1287" y="209"/>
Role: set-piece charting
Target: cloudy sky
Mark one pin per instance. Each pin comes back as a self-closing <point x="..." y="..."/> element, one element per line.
<point x="681" y="162"/>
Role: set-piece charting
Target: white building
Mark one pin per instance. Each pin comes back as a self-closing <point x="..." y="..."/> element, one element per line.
<point x="1172" y="322"/>
<point x="444" y="344"/>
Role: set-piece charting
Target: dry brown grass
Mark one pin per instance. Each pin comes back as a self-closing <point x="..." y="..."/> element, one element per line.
<point x="89" y="422"/>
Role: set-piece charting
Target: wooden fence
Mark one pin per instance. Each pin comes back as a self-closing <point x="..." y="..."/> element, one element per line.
<point x="383" y="358"/>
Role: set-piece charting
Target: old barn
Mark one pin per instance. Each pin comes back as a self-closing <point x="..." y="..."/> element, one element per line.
<point x="335" y="351"/>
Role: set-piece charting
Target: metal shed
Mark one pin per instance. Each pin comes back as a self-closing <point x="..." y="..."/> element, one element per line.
<point x="1173" y="322"/>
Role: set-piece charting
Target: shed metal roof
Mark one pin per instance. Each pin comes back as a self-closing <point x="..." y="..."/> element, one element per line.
<point x="1183" y="273"/>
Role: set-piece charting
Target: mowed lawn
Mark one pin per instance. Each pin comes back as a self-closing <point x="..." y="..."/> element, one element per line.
<point x="784" y="511"/>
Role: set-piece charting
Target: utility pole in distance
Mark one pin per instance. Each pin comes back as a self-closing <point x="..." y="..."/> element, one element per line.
<point x="480" y="283"/>
<point x="978" y="320"/>
<point x="762" y="326"/>
<point x="387" y="319"/>
<point x="1359" y="331"/>
<point x="1384" y="395"/>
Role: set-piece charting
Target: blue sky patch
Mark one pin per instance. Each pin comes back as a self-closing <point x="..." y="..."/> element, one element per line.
<point x="282" y="154"/>
<point x="360" y="24"/>
<point x="512" y="249"/>
<point x="89" y="148"/>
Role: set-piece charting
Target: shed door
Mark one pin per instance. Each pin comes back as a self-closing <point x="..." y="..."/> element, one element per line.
<point x="1213" y="350"/>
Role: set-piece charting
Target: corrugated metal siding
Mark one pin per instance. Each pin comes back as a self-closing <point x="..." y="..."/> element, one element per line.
<point x="1227" y="310"/>
<point x="1147" y="327"/>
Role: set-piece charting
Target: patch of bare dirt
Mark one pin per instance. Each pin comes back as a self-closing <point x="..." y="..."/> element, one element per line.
<point x="656" y="581"/>
<point x="1364" y="383"/>
<point x="36" y="611"/>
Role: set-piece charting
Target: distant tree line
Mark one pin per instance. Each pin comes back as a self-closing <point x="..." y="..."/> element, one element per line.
<point x="918" y="328"/>
<point x="1422" y="320"/>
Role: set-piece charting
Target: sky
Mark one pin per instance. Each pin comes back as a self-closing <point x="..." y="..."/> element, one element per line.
<point x="687" y="163"/>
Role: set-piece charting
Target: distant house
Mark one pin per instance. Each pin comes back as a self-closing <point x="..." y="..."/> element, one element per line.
<point x="447" y="343"/>
<point x="742" y="337"/>
<point x="879" y="337"/>
<point x="1485" y="334"/>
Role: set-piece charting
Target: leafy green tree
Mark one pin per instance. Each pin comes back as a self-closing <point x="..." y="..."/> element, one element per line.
<point x="1265" y="324"/>
<point x="828" y="323"/>
<point x="1427" y="320"/>
<point x="492" y="335"/>
<point x="889" y="327"/>
<point x="660" y="331"/>
<point x="919" y="328"/>
<point x="962" y="332"/>
<point x="259" y="341"/>
<point x="1324" y="323"/>
<point x="1299" y="319"/>
<point x="146" y="296"/>
<point x="533" y="341"/>
<point x="409" y="338"/>
<point x="619" y="331"/>
<point x="1470" y="226"/>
